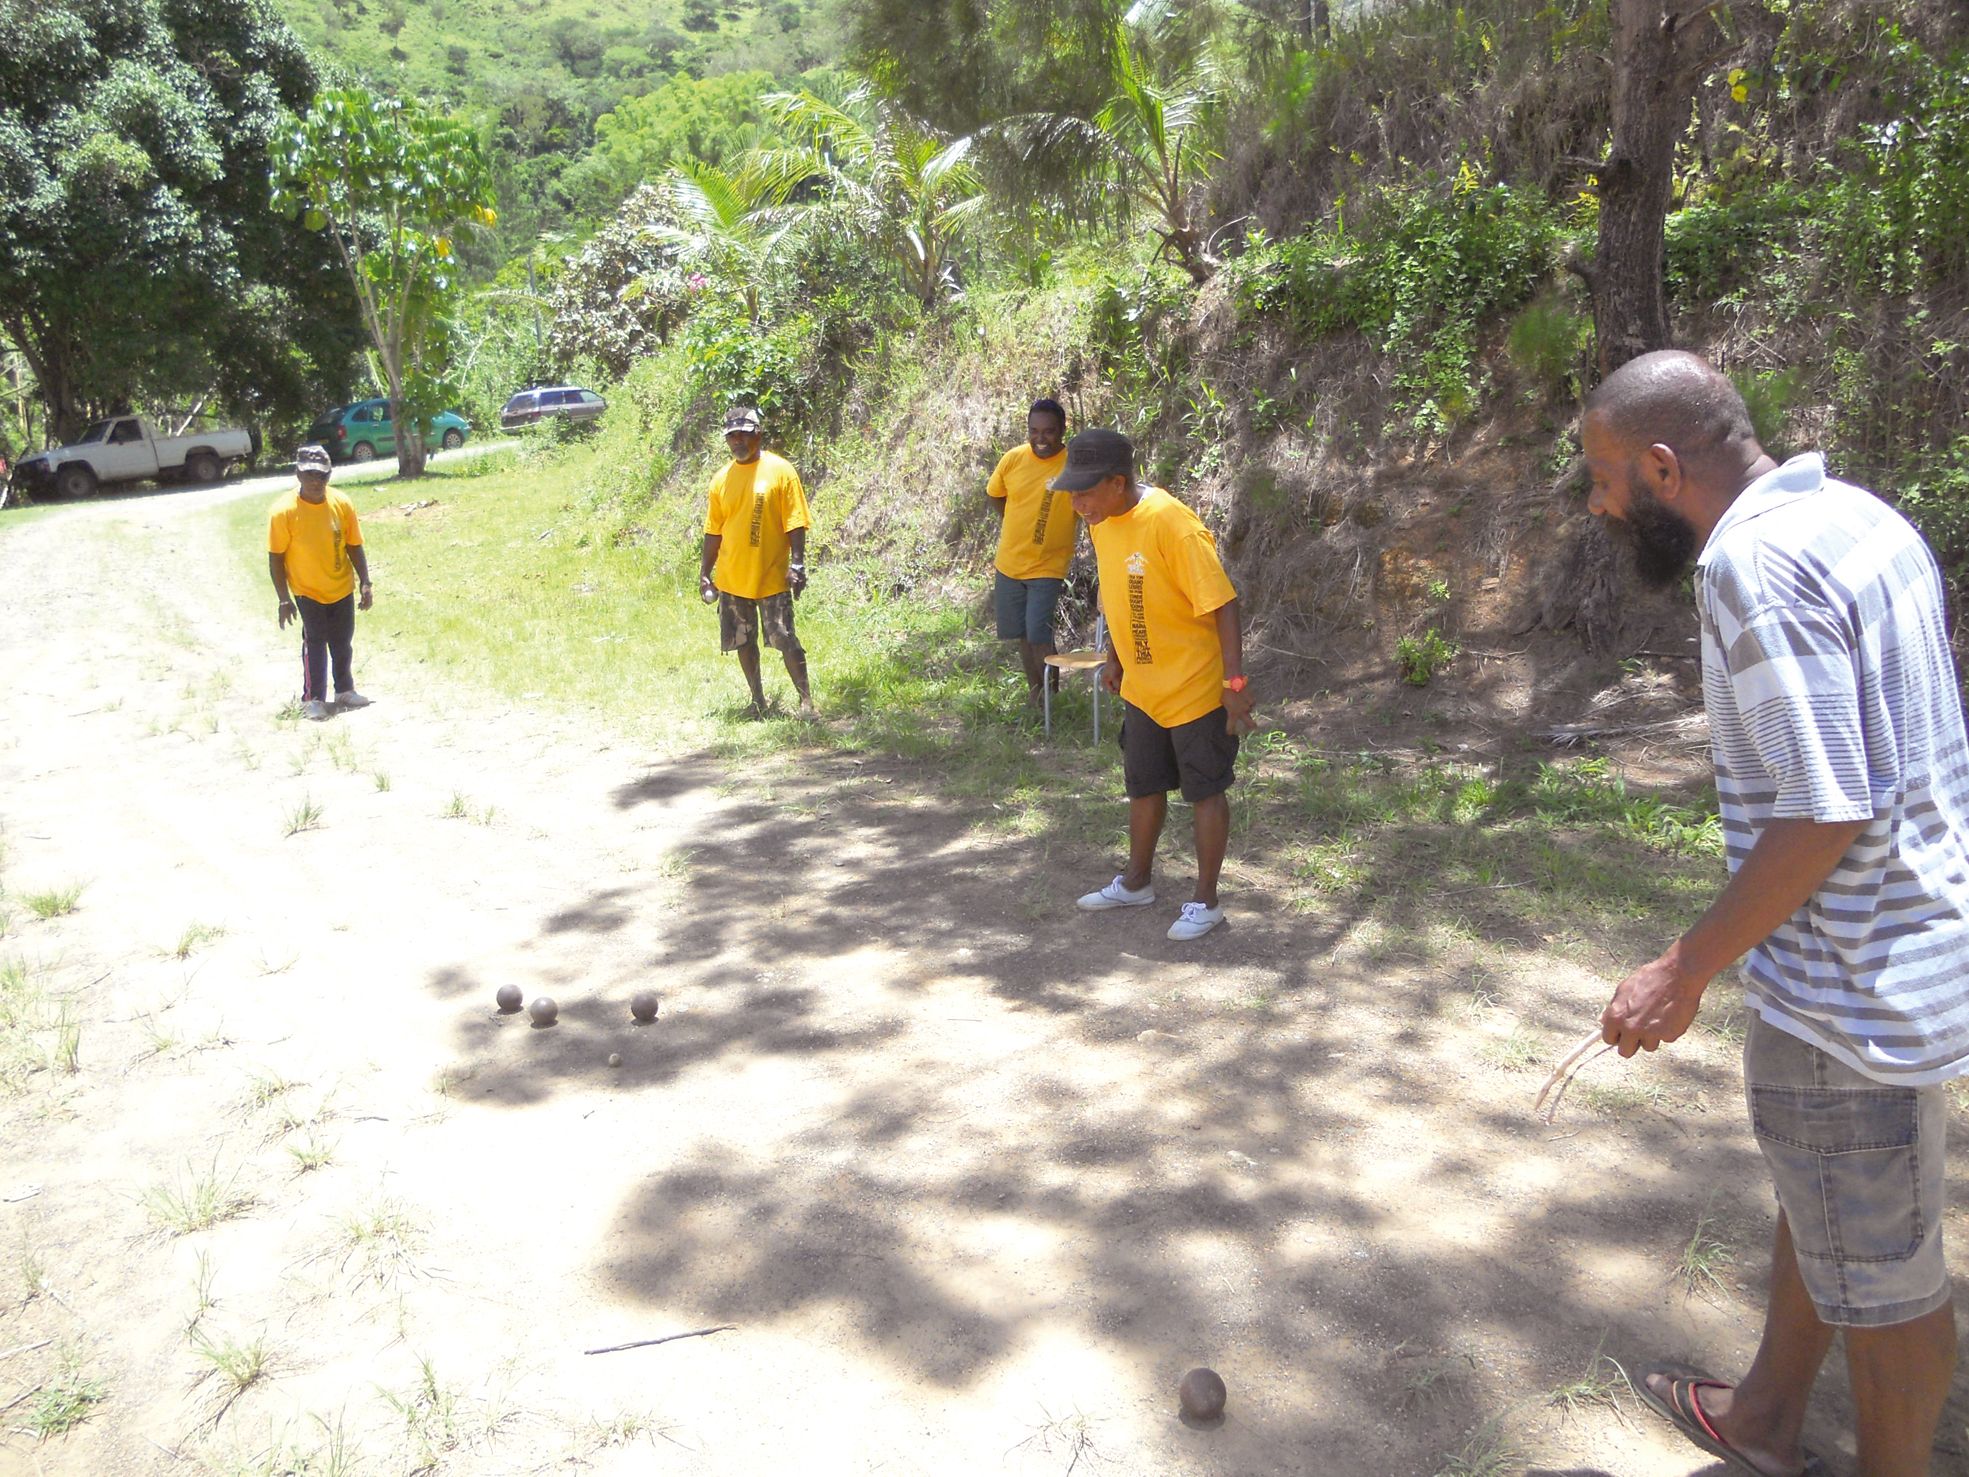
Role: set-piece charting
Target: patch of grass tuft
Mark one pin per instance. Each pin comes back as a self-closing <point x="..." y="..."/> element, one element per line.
<point x="65" y="1401"/>
<point x="1705" y="1259"/>
<point x="56" y="902"/>
<point x="380" y="1241"/>
<point x="304" y="817"/>
<point x="195" y="937"/>
<point x="197" y="1198"/>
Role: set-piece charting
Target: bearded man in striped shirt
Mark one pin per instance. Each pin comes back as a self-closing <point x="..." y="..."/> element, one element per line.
<point x="1842" y="774"/>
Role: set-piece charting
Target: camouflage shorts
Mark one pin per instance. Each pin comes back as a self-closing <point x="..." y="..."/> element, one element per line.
<point x="741" y="622"/>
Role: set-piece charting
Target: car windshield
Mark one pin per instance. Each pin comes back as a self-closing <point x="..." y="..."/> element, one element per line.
<point x="94" y="434"/>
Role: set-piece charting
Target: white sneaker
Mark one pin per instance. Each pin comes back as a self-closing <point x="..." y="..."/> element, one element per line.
<point x="351" y="699"/>
<point x="1195" y="921"/>
<point x="317" y="710"/>
<point x="1117" y="894"/>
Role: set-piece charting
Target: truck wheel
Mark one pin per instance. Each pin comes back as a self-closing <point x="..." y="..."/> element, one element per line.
<point x="76" y="479"/>
<point x="362" y="451"/>
<point x="204" y="467"/>
<point x="453" y="439"/>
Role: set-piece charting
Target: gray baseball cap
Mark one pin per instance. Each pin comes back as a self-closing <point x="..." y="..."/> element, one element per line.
<point x="313" y="458"/>
<point x="742" y="418"/>
<point x="1092" y="458"/>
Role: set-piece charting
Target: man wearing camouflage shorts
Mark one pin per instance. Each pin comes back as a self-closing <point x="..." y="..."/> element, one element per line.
<point x="754" y="562"/>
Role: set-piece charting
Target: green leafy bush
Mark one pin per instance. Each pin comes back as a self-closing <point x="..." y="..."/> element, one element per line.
<point x="1768" y="395"/>
<point x="1425" y="267"/>
<point x="1420" y="658"/>
<point x="1547" y="343"/>
<point x="1936" y="500"/>
<point x="735" y="362"/>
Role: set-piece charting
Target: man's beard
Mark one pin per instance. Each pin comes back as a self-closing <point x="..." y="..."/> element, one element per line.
<point x="1663" y="541"/>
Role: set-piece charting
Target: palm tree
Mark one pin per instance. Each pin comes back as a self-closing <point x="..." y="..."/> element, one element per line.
<point x="1150" y="142"/>
<point x="898" y="184"/>
<point x="732" y="221"/>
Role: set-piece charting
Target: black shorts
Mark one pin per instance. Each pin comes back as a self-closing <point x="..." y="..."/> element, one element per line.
<point x="1196" y="757"/>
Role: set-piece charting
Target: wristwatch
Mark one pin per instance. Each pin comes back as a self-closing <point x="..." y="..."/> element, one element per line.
<point x="1236" y="684"/>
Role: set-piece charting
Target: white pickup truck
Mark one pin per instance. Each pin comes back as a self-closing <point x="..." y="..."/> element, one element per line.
<point x="127" y="448"/>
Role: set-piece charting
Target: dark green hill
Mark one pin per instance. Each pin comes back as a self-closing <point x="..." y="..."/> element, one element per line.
<point x="542" y="71"/>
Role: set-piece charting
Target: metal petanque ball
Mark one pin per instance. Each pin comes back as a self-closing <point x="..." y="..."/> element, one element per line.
<point x="543" y="1010"/>
<point x="1202" y="1394"/>
<point x="642" y="1005"/>
<point x="509" y="998"/>
<point x="615" y="1058"/>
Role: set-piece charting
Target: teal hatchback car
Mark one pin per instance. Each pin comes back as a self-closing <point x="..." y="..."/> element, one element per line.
<point x="363" y="431"/>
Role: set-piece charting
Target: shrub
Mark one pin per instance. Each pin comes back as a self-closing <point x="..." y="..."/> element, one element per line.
<point x="1419" y="658"/>
<point x="734" y="362"/>
<point x="1425" y="267"/>
<point x="1547" y="343"/>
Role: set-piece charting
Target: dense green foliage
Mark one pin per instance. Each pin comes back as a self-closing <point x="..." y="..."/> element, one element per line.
<point x="391" y="185"/>
<point x="541" y="74"/>
<point x="139" y="258"/>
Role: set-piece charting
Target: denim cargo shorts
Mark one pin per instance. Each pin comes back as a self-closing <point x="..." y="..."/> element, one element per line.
<point x="1859" y="1172"/>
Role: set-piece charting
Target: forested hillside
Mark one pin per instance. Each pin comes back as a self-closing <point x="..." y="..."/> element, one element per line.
<point x="540" y="74"/>
<point x="1323" y="261"/>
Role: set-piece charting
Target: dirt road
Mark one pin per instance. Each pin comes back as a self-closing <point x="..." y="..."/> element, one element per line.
<point x="974" y="1177"/>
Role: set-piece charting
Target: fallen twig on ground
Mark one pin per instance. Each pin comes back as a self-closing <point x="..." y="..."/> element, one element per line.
<point x="695" y="1333"/>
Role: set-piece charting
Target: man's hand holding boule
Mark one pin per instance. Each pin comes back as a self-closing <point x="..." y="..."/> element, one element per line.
<point x="1111" y="674"/>
<point x="1239" y="716"/>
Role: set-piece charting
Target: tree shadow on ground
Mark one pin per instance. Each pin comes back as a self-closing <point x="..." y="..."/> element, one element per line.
<point x="957" y="1114"/>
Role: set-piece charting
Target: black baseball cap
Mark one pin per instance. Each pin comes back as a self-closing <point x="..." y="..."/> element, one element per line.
<point x="1092" y="458"/>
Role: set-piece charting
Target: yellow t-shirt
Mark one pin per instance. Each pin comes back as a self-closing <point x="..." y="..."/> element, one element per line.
<point x="1160" y="582"/>
<point x="1036" y="542"/>
<point x="315" y="539"/>
<point x="754" y="506"/>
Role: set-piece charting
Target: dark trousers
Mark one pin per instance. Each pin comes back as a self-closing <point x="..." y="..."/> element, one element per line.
<point x="327" y="633"/>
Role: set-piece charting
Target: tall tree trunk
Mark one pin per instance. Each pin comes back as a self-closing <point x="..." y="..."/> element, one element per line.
<point x="1659" y="49"/>
<point x="1321" y="20"/>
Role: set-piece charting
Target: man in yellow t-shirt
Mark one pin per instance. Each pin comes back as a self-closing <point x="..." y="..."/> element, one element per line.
<point x="1176" y="657"/>
<point x="754" y="563"/>
<point x="1036" y="535"/>
<point x="319" y="571"/>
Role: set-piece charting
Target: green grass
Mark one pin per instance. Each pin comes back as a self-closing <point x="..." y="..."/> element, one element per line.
<point x="600" y="620"/>
<point x="236" y="1365"/>
<point x="65" y="1401"/>
<point x="56" y="902"/>
<point x="195" y="1199"/>
<point x="1489" y="1451"/>
<point x="304" y="817"/>
<point x="1705" y="1259"/>
<point x="1600" y="1385"/>
<point x="195" y="937"/>
<point x="379" y="1242"/>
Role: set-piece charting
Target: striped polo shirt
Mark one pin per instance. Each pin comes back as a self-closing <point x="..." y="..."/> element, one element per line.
<point x="1831" y="697"/>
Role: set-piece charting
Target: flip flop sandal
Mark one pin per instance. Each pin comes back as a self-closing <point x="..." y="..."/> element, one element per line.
<point x="1681" y="1408"/>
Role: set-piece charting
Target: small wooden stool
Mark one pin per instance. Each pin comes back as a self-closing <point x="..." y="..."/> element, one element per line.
<point x="1075" y="661"/>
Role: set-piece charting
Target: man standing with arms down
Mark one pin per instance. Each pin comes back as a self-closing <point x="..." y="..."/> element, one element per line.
<point x="1035" y="541"/>
<point x="319" y="571"/>
<point x="754" y="563"/>
<point x="1176" y="657"/>
<point x="1842" y="774"/>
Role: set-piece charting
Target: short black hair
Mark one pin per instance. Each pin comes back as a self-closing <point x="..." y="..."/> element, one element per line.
<point x="1049" y="407"/>
<point x="1677" y="399"/>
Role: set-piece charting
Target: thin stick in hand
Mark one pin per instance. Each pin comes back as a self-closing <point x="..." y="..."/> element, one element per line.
<point x="1563" y="1074"/>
